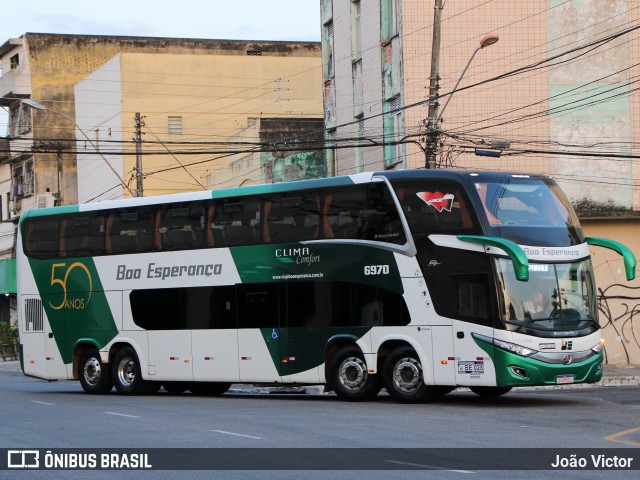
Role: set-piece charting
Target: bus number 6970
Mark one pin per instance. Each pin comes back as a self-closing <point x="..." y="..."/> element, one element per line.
<point x="376" y="269"/>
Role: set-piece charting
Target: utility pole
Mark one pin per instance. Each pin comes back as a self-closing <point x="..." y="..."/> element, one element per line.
<point x="138" y="142"/>
<point x="59" y="163"/>
<point x="431" y="140"/>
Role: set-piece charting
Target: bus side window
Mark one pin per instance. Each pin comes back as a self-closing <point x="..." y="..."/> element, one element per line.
<point x="239" y="220"/>
<point x="379" y="220"/>
<point x="341" y="212"/>
<point x="181" y="225"/>
<point x="40" y="237"/>
<point x="131" y="230"/>
<point x="291" y="218"/>
<point x="82" y="235"/>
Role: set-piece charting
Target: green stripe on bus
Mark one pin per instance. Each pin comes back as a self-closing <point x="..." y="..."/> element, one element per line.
<point x="75" y="303"/>
<point x="281" y="187"/>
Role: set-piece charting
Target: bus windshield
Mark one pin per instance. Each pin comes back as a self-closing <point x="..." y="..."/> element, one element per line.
<point x="525" y="201"/>
<point x="557" y="298"/>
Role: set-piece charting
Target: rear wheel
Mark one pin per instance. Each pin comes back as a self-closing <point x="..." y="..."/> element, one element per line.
<point x="126" y="374"/>
<point x="490" y="392"/>
<point x="403" y="377"/>
<point x="349" y="376"/>
<point x="209" y="388"/>
<point x="95" y="377"/>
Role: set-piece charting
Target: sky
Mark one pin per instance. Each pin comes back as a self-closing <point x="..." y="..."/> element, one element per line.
<point x="215" y="19"/>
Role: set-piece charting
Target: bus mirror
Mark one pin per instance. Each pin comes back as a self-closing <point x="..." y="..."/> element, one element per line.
<point x="627" y="255"/>
<point x="516" y="254"/>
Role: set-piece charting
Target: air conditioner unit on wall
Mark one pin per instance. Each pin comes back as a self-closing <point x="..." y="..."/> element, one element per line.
<point x="45" y="201"/>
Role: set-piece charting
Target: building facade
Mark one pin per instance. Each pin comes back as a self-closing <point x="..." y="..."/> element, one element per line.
<point x="194" y="112"/>
<point x="556" y="95"/>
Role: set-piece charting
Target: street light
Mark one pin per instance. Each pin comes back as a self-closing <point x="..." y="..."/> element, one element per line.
<point x="38" y="106"/>
<point x="432" y="135"/>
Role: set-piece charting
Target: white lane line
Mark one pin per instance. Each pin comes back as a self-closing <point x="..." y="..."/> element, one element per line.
<point x="42" y="403"/>
<point x="237" y="434"/>
<point x="121" y="414"/>
<point x="430" y="467"/>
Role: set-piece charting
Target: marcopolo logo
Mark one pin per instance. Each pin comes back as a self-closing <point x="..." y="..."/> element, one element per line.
<point x="300" y="256"/>
<point x="79" y="273"/>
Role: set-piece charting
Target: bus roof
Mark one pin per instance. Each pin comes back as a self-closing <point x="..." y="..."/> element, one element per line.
<point x="267" y="188"/>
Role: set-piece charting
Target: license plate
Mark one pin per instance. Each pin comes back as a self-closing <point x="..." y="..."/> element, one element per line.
<point x="561" y="379"/>
<point x="470" y="367"/>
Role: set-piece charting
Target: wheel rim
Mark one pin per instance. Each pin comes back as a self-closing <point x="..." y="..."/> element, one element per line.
<point x="407" y="375"/>
<point x="127" y="371"/>
<point x="92" y="371"/>
<point x="353" y="373"/>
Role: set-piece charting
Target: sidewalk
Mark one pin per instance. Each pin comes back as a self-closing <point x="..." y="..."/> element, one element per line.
<point x="614" y="375"/>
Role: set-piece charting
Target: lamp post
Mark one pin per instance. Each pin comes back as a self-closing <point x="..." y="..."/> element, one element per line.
<point x="435" y="116"/>
<point x="38" y="106"/>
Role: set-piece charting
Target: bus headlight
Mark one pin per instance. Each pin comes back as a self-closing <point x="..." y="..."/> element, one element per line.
<point x="599" y="347"/>
<point x="507" y="346"/>
<point x="514" y="348"/>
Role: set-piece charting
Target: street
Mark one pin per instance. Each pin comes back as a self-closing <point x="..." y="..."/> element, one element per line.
<point x="38" y="414"/>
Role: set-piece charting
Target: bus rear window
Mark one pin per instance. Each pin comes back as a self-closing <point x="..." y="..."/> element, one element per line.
<point x="40" y="237"/>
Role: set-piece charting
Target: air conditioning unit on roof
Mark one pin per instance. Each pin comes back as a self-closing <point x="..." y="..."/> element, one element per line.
<point x="45" y="201"/>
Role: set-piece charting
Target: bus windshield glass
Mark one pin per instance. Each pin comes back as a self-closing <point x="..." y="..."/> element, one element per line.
<point x="556" y="298"/>
<point x="525" y="201"/>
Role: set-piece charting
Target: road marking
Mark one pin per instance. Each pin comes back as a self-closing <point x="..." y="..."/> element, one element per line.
<point x="121" y="414"/>
<point x="42" y="403"/>
<point x="238" y="434"/>
<point x="615" y="436"/>
<point x="430" y="467"/>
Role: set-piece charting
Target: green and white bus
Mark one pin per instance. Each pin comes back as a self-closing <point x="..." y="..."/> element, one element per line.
<point x="417" y="281"/>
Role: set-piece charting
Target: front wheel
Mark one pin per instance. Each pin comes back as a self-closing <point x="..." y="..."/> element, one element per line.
<point x="490" y="392"/>
<point x="349" y="376"/>
<point x="94" y="375"/>
<point x="403" y="377"/>
<point x="126" y="374"/>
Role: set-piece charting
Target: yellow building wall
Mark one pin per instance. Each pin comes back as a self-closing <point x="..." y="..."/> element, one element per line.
<point x="618" y="299"/>
<point x="214" y="95"/>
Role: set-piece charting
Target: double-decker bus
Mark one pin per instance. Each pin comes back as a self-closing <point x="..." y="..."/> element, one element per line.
<point x="414" y="281"/>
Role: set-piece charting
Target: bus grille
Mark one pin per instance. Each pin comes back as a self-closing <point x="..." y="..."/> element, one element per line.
<point x="34" y="315"/>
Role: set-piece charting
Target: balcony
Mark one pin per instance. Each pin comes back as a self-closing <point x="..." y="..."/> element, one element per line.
<point x="14" y="83"/>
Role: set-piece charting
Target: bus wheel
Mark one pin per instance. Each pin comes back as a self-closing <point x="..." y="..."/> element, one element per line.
<point x="349" y="376"/>
<point x="94" y="375"/>
<point x="209" y="388"/>
<point x="176" y="388"/>
<point x="403" y="377"/>
<point x="126" y="373"/>
<point x="490" y="392"/>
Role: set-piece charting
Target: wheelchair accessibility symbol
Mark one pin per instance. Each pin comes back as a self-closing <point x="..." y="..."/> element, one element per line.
<point x="274" y="334"/>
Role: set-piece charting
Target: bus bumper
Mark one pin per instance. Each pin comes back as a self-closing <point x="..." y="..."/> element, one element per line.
<point x="514" y="370"/>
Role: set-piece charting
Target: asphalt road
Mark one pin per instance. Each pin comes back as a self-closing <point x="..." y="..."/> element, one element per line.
<point x="38" y="414"/>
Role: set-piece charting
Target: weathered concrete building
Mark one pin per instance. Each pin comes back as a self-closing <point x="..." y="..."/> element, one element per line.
<point x="557" y="89"/>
